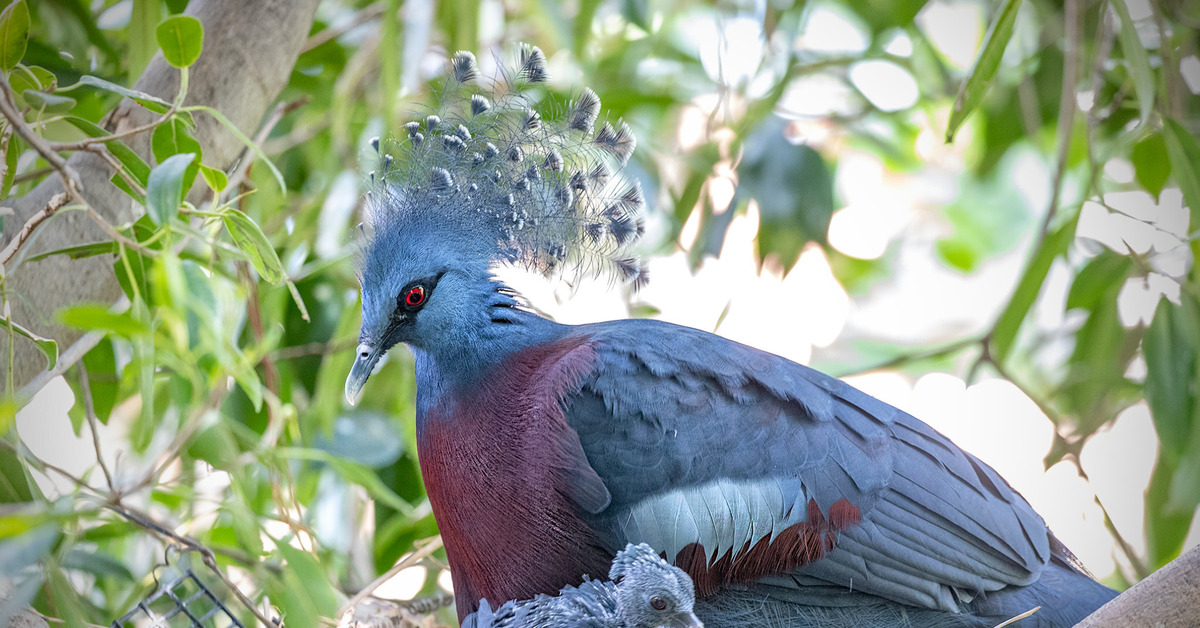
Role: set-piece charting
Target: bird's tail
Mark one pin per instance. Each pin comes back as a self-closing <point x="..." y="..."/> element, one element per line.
<point x="1064" y="594"/>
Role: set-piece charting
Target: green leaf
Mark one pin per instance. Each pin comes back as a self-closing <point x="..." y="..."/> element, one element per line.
<point x="1095" y="389"/>
<point x="50" y="103"/>
<point x="96" y="563"/>
<point x="1185" y="165"/>
<point x="153" y="103"/>
<point x="32" y="77"/>
<point x="1004" y="333"/>
<point x="352" y="472"/>
<point x="245" y="526"/>
<point x="182" y="39"/>
<point x="216" y="179"/>
<point x="254" y="148"/>
<point x="16" y="486"/>
<point x="103" y="378"/>
<point x="27" y="548"/>
<point x="145" y="16"/>
<point x="1151" y="164"/>
<point x="133" y="164"/>
<point x="79" y="251"/>
<point x="1138" y="62"/>
<point x="306" y="594"/>
<point x="66" y="600"/>
<point x="173" y="138"/>
<point x="164" y="190"/>
<point x="793" y="187"/>
<point x="215" y="445"/>
<point x="250" y="239"/>
<point x="980" y="77"/>
<point x="98" y="318"/>
<point x="1170" y="348"/>
<point x="48" y="347"/>
<point x="637" y="12"/>
<point x="14" y="34"/>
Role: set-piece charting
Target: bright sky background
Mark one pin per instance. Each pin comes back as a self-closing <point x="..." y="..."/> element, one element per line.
<point x="805" y="312"/>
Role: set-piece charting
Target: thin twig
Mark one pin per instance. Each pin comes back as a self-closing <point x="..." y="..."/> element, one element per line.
<point x="90" y="143"/>
<point x="408" y="561"/>
<point x="1019" y="617"/>
<point x="31" y="175"/>
<point x="4" y="148"/>
<point x="315" y="348"/>
<point x="103" y="153"/>
<point x="1066" y="120"/>
<point x="1139" y="568"/>
<point x="56" y="203"/>
<point x="247" y="157"/>
<point x="89" y="408"/>
<point x="67" y="358"/>
<point x="8" y="107"/>
<point x="1172" y="94"/>
<point x="362" y="16"/>
<point x="918" y="356"/>
<point x="1066" y="111"/>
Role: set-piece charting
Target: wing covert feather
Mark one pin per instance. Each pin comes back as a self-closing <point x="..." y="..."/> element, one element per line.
<point x="703" y="440"/>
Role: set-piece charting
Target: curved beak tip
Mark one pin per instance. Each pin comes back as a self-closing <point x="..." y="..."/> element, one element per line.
<point x="364" y="363"/>
<point x="352" y="391"/>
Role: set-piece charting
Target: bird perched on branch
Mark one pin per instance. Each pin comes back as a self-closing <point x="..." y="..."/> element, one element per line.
<point x="643" y="591"/>
<point x="789" y="497"/>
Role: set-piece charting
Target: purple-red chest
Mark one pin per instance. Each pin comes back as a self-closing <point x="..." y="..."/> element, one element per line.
<point x="493" y="472"/>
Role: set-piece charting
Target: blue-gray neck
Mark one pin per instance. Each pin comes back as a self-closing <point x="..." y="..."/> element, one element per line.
<point x="451" y="367"/>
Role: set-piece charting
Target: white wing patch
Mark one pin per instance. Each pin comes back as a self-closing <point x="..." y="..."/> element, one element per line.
<point x="722" y="515"/>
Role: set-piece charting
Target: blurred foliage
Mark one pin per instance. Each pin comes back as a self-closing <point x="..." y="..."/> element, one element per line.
<point x="225" y="372"/>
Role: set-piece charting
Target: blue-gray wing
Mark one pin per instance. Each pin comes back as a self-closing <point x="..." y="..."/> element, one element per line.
<point x="742" y="466"/>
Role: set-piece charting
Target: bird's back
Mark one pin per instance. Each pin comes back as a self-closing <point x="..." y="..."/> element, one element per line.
<point x="793" y="499"/>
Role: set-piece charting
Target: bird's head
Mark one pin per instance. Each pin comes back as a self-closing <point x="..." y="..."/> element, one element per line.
<point x="418" y="288"/>
<point x="487" y="180"/>
<point x="652" y="593"/>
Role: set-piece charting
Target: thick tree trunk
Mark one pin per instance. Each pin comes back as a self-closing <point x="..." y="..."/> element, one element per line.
<point x="250" y="47"/>
<point x="1167" y="598"/>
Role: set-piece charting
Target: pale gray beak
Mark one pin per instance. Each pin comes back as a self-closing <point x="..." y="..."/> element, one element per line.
<point x="364" y="363"/>
<point x="685" y="621"/>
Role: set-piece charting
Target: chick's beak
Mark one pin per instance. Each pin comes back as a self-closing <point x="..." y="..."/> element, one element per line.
<point x="685" y="621"/>
<point x="364" y="363"/>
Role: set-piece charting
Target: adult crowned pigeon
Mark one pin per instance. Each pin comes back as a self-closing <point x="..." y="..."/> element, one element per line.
<point x="789" y="497"/>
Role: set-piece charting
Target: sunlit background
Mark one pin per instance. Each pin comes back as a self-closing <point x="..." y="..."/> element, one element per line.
<point x="886" y="284"/>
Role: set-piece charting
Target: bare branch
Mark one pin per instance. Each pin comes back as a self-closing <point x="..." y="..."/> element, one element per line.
<point x="408" y="561"/>
<point x="16" y="119"/>
<point x="1168" y="597"/>
<point x="89" y="408"/>
<point x="56" y="203"/>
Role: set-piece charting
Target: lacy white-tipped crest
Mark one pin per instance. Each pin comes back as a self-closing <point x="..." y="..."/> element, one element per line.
<point x="515" y="184"/>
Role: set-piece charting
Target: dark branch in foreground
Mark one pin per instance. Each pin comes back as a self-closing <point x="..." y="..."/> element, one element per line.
<point x="1169" y="597"/>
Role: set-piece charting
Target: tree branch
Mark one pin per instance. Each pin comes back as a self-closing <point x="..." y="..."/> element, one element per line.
<point x="241" y="73"/>
<point x="56" y="203"/>
<point x="1169" y="597"/>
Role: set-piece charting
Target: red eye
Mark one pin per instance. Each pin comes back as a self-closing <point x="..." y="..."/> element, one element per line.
<point x="658" y="603"/>
<point x="415" y="296"/>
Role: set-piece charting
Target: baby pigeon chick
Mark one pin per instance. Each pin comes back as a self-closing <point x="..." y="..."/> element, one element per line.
<point x="643" y="591"/>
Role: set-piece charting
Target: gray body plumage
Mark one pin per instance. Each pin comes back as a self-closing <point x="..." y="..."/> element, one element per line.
<point x="639" y="580"/>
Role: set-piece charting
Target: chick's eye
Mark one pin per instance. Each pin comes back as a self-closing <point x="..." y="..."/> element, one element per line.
<point x="657" y="603"/>
<point x="415" y="296"/>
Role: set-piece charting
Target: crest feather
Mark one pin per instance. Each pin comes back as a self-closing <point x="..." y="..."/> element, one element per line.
<point x="512" y="181"/>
